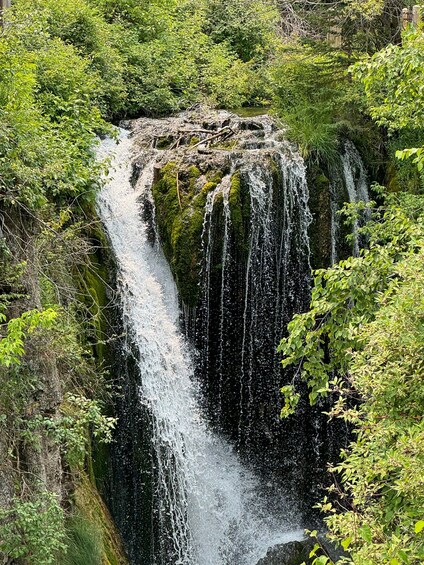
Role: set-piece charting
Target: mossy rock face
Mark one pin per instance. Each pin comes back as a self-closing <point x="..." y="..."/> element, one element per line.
<point x="320" y="205"/>
<point x="180" y="194"/>
<point x="92" y="528"/>
<point x="239" y="202"/>
<point x="93" y="280"/>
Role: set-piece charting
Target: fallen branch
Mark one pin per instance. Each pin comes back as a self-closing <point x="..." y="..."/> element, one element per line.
<point x="178" y="190"/>
<point x="176" y="143"/>
<point x="196" y="131"/>
<point x="224" y="131"/>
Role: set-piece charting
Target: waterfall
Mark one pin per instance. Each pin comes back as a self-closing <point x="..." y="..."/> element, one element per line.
<point x="250" y="290"/>
<point x="350" y="184"/>
<point x="207" y="508"/>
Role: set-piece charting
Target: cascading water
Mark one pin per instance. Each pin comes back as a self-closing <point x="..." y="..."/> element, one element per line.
<point x="270" y="282"/>
<point x="255" y="273"/>
<point x="349" y="184"/>
<point x="207" y="509"/>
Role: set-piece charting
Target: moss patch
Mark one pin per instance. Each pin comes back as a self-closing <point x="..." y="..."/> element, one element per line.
<point x="101" y="534"/>
<point x="320" y="205"/>
<point x="91" y="280"/>
<point x="180" y="198"/>
<point x="239" y="202"/>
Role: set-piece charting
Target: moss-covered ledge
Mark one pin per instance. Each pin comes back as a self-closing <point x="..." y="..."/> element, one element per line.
<point x="239" y="202"/>
<point x="93" y="538"/>
<point x="180" y="193"/>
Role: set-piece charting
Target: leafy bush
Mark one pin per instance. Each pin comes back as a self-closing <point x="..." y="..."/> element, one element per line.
<point x="33" y="530"/>
<point x="392" y="81"/>
<point x="362" y="342"/>
<point x="247" y="26"/>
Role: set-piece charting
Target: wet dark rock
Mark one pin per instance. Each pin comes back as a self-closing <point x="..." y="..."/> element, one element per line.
<point x="291" y="553"/>
<point x="297" y="552"/>
<point x="252" y="124"/>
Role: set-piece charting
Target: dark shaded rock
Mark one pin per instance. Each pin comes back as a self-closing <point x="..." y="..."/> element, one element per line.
<point x="291" y="553"/>
<point x="297" y="552"/>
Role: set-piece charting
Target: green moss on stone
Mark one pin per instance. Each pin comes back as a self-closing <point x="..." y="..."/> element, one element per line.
<point x="208" y="187"/>
<point x="320" y="205"/>
<point x="194" y="140"/>
<point x="239" y="202"/>
<point x="214" y="176"/>
<point x="95" y="298"/>
<point x="180" y="224"/>
<point x="194" y="172"/>
<point x="164" y="142"/>
<point x="167" y="206"/>
<point x="91" y="510"/>
<point x="236" y="208"/>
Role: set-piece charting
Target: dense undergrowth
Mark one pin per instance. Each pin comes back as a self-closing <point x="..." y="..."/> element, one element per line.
<point x="361" y="341"/>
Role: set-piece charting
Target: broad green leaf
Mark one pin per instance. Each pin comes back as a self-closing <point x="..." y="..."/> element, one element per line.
<point x="365" y="533"/>
<point x="419" y="526"/>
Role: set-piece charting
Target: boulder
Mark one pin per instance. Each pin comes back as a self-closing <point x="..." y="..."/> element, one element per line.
<point x="291" y="553"/>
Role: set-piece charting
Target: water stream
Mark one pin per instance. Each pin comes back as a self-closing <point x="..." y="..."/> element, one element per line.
<point x="204" y="471"/>
<point x="208" y="508"/>
<point x="349" y="184"/>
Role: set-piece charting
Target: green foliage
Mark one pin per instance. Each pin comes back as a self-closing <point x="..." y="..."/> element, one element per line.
<point x="345" y="297"/>
<point x="90" y="528"/>
<point x="66" y="66"/>
<point x="69" y="429"/>
<point x="185" y="66"/>
<point x="21" y="128"/>
<point x="392" y="81"/>
<point x="12" y="344"/>
<point x="33" y="530"/>
<point x="47" y="123"/>
<point x="312" y="96"/>
<point x="382" y="469"/>
<point x="416" y="152"/>
<point x="363" y="339"/>
<point x="80" y="414"/>
<point x="93" y="40"/>
<point x="84" y="543"/>
<point x="247" y="26"/>
<point x="36" y="348"/>
<point x="291" y="400"/>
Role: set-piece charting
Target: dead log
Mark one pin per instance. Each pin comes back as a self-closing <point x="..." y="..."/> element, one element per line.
<point x="227" y="131"/>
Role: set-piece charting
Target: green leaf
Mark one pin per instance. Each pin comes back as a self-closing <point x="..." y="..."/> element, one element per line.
<point x="365" y="533"/>
<point x="346" y="543"/>
<point x="313" y="551"/>
<point x="322" y="560"/>
<point x="419" y="526"/>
